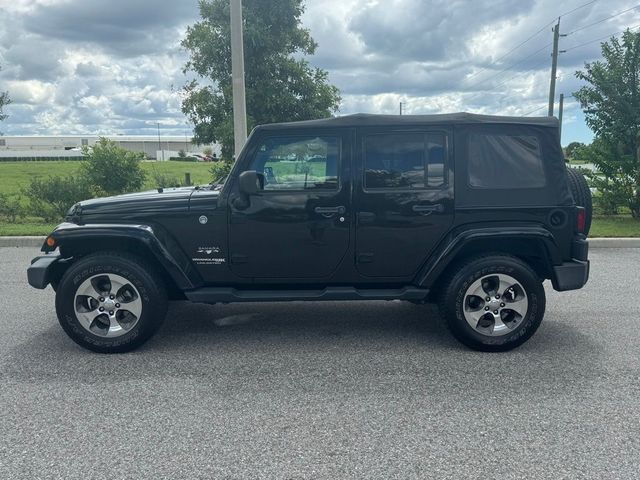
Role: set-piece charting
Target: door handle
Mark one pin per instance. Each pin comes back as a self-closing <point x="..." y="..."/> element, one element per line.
<point x="428" y="209"/>
<point x="328" y="211"/>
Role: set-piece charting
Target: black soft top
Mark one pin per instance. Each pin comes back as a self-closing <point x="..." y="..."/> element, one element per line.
<point x="555" y="191"/>
<point x="372" y="120"/>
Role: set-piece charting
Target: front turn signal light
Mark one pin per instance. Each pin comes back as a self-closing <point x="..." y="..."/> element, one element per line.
<point x="51" y="242"/>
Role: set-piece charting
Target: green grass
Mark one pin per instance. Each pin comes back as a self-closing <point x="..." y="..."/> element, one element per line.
<point x="33" y="228"/>
<point x="618" y="226"/>
<point x="16" y="175"/>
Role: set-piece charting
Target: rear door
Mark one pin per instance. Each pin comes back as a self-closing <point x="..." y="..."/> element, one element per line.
<point x="403" y="198"/>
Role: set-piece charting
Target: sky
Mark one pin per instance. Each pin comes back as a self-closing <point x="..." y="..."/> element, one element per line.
<point x="115" y="66"/>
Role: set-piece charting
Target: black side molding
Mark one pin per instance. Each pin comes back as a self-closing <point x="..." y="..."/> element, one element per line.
<point x="225" y="294"/>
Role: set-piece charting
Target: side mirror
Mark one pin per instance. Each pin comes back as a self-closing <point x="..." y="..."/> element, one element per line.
<point x="250" y="182"/>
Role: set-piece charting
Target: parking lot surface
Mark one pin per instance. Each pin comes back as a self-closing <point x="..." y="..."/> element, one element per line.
<point x="325" y="390"/>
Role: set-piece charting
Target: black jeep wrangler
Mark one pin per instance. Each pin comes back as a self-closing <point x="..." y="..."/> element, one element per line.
<point x="473" y="212"/>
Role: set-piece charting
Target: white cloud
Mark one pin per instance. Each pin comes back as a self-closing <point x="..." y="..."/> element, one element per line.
<point x="115" y="66"/>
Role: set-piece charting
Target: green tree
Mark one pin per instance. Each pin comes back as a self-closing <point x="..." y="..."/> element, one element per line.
<point x="110" y="169"/>
<point x="280" y="83"/>
<point x="571" y="148"/>
<point x="4" y="101"/>
<point x="611" y="104"/>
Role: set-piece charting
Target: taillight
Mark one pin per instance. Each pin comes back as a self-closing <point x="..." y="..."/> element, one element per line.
<point x="581" y="219"/>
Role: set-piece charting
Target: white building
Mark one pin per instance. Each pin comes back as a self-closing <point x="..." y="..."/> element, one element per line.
<point x="66" y="146"/>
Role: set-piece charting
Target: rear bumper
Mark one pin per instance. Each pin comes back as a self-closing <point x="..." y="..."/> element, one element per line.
<point x="570" y="275"/>
<point x="42" y="270"/>
<point x="574" y="274"/>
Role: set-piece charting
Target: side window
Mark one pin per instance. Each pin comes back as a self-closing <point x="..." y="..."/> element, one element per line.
<point x="404" y="161"/>
<point x="505" y="161"/>
<point x="299" y="163"/>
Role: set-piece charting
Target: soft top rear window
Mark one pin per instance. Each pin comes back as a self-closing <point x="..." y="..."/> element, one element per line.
<point x="505" y="161"/>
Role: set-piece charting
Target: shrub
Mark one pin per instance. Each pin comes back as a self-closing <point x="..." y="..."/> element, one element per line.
<point x="112" y="170"/>
<point x="219" y="170"/>
<point x="183" y="159"/>
<point x="182" y="153"/>
<point x="164" y="180"/>
<point x="50" y="198"/>
<point x="10" y="207"/>
<point x="207" y="151"/>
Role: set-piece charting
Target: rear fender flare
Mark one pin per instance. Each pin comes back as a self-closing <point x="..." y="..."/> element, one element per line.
<point x="454" y="245"/>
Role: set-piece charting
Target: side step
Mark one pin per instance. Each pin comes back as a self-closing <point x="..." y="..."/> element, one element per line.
<point x="225" y="294"/>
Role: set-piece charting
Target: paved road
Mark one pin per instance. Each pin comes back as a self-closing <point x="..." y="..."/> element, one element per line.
<point x="325" y="390"/>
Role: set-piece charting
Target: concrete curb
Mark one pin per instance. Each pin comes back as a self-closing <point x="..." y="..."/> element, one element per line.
<point x="614" y="243"/>
<point x="593" y="242"/>
<point x="21" y="241"/>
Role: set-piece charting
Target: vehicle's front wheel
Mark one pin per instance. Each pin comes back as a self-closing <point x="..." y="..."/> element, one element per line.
<point x="493" y="303"/>
<point x="110" y="303"/>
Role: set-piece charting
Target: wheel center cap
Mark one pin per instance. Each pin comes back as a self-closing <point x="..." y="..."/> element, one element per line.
<point x="109" y="304"/>
<point x="494" y="304"/>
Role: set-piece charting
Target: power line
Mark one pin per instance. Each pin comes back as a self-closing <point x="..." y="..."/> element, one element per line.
<point x="533" y="111"/>
<point x="512" y="50"/>
<point x="577" y="8"/>
<point x="509" y="67"/>
<point x="601" y="38"/>
<point x="506" y="80"/>
<point x="520" y="45"/>
<point x="602" y="20"/>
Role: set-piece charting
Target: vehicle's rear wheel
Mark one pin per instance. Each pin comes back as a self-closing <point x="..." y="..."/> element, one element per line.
<point x="493" y="303"/>
<point x="110" y="303"/>
<point x="581" y="195"/>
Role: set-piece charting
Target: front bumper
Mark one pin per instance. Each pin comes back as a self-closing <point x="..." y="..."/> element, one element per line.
<point x="44" y="270"/>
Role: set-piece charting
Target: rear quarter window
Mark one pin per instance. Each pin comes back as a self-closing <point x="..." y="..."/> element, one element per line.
<point x="505" y="161"/>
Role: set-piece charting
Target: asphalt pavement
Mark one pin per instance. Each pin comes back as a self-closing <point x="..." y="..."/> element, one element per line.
<point x="325" y="390"/>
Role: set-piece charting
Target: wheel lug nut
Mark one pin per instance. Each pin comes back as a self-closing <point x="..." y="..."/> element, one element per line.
<point x="112" y="297"/>
<point x="118" y="305"/>
<point x="101" y="309"/>
<point x="495" y="312"/>
<point x="488" y="299"/>
<point x="101" y="299"/>
<point x="497" y="296"/>
<point x="502" y="304"/>
<point x="110" y="312"/>
<point x="486" y="308"/>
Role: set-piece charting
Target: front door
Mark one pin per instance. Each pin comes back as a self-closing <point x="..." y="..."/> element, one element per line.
<point x="298" y="225"/>
<point x="403" y="198"/>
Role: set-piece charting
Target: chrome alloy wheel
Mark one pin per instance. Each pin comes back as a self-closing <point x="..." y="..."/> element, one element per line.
<point x="107" y="305"/>
<point x="495" y="304"/>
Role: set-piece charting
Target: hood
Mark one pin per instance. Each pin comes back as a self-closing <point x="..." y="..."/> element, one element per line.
<point x="168" y="200"/>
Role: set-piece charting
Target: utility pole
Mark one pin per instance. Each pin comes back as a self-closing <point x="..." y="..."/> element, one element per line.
<point x="554" y="66"/>
<point x="237" y="74"/>
<point x="159" y="144"/>
<point x="400" y="108"/>
<point x="560" y="113"/>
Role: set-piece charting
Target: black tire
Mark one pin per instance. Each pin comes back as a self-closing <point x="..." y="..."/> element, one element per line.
<point x="148" y="283"/>
<point x="581" y="195"/>
<point x="453" y="296"/>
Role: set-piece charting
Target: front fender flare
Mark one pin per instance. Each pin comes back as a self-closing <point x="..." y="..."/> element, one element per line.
<point x="158" y="242"/>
